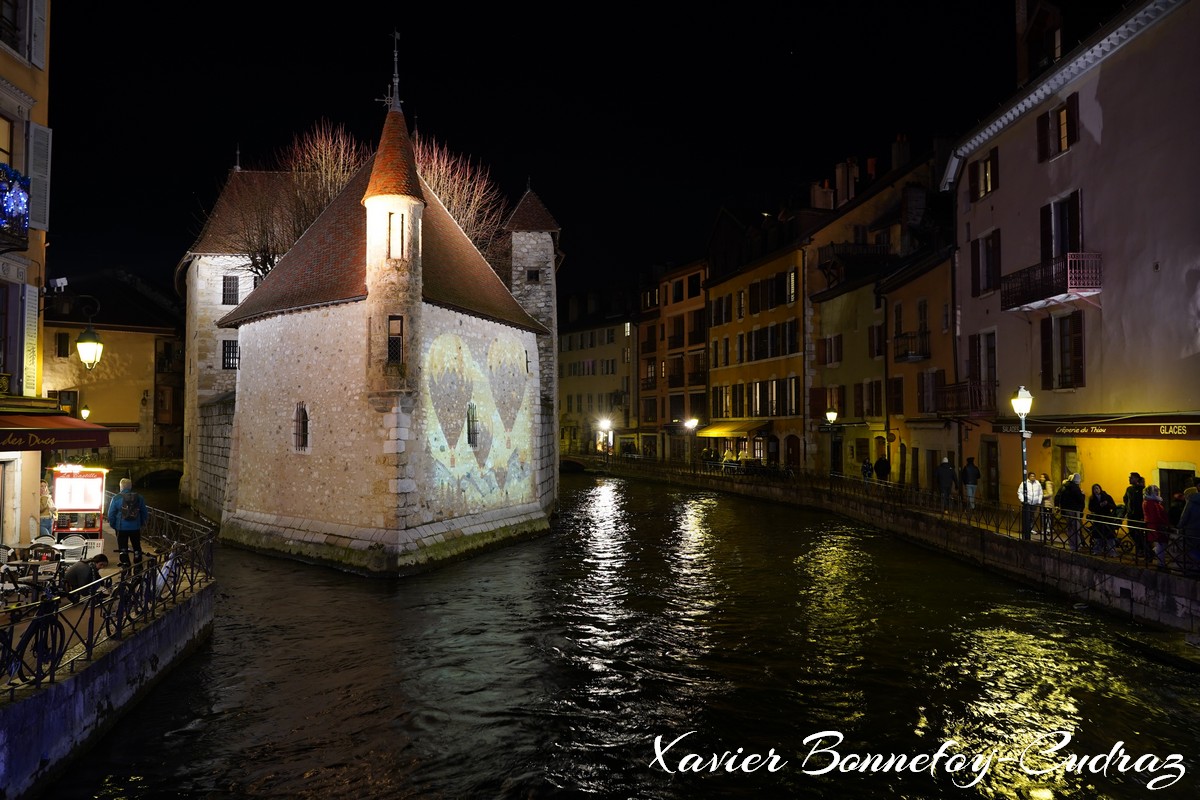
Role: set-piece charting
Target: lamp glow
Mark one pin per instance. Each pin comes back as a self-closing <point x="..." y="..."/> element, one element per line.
<point x="831" y="415"/>
<point x="85" y="412"/>
<point x="89" y="347"/>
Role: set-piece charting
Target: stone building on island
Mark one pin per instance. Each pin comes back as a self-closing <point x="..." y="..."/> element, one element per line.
<point x="395" y="401"/>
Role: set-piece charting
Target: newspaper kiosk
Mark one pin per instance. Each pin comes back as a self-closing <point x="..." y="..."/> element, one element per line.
<point x="79" y="498"/>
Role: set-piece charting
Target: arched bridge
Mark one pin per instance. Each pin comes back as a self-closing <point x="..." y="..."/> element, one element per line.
<point x="146" y="472"/>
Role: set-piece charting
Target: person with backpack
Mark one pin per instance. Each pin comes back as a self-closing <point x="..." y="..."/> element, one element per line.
<point x="127" y="515"/>
<point x="970" y="480"/>
<point x="1070" y="502"/>
<point x="1135" y="516"/>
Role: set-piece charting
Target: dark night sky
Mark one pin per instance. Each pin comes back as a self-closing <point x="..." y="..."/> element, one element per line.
<point x="632" y="128"/>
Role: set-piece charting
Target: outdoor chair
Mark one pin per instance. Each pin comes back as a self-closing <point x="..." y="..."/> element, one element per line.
<point x="76" y="547"/>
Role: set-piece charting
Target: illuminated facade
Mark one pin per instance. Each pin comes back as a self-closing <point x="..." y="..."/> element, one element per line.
<point x="596" y="381"/>
<point x="395" y="402"/>
<point x="1078" y="269"/>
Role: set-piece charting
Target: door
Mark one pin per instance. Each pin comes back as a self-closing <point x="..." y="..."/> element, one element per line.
<point x="990" y="490"/>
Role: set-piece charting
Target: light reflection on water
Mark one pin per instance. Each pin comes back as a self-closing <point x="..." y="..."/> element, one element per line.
<point x="547" y="668"/>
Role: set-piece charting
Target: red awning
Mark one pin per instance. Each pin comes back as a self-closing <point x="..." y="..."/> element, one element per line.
<point x="49" y="432"/>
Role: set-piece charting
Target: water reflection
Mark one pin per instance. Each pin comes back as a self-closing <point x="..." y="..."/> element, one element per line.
<point x="547" y="669"/>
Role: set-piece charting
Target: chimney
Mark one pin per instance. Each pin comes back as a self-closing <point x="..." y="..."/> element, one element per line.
<point x="900" y="151"/>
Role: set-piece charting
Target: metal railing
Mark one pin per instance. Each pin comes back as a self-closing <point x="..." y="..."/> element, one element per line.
<point x="1068" y="274"/>
<point x="61" y="631"/>
<point x="1111" y="539"/>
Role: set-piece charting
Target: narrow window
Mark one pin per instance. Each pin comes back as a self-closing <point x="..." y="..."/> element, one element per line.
<point x="230" y="356"/>
<point x="533" y="275"/>
<point x="229" y="290"/>
<point x="395" y="240"/>
<point x="62" y="345"/>
<point x="301" y="442"/>
<point x="472" y="426"/>
<point x="395" y="341"/>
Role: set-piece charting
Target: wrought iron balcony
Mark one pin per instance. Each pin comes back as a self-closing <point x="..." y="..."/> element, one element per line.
<point x="912" y="346"/>
<point x="649" y="345"/>
<point x="967" y="399"/>
<point x="675" y="340"/>
<point x="1068" y="277"/>
<point x="649" y="383"/>
<point x="14" y="210"/>
<point x="828" y="252"/>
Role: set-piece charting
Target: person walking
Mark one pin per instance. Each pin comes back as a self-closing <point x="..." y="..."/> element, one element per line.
<point x="1134" y="516"/>
<point x="1030" y="495"/>
<point x="970" y="480"/>
<point x="947" y="481"/>
<point x="883" y="468"/>
<point x="1189" y="529"/>
<point x="1155" y="515"/>
<point x="1071" y="502"/>
<point x="127" y="514"/>
<point x="866" y="471"/>
<point x="1102" y="513"/>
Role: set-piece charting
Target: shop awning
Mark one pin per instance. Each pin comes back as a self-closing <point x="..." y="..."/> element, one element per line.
<point x="733" y="430"/>
<point x="49" y="432"/>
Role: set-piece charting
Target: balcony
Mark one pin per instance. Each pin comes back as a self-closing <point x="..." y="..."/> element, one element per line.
<point x="829" y="252"/>
<point x="910" y="346"/>
<point x="675" y="340"/>
<point x="649" y="345"/>
<point x="14" y="210"/>
<point x="697" y="378"/>
<point x="675" y="380"/>
<point x="649" y="383"/>
<point x="974" y="398"/>
<point x="1068" y="277"/>
<point x="696" y="336"/>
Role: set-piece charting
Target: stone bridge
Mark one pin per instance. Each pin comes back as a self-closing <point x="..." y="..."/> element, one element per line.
<point x="145" y="472"/>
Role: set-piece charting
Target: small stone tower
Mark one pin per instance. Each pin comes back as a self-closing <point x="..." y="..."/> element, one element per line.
<point x="535" y="262"/>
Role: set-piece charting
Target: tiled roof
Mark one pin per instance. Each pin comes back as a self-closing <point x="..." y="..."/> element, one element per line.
<point x="396" y="167"/>
<point x="328" y="263"/>
<point x="531" y="215"/>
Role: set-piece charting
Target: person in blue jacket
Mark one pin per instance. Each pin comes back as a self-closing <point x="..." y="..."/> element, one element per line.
<point x="127" y="515"/>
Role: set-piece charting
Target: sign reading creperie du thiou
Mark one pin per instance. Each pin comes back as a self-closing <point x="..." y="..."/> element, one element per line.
<point x="1172" y="430"/>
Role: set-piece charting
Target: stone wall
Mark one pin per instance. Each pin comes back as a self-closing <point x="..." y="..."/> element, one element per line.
<point x="211" y="465"/>
<point x="42" y="729"/>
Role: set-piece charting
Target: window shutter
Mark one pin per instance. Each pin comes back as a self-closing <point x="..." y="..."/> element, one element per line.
<point x="39" y="139"/>
<point x="994" y="157"/>
<point x="973" y="371"/>
<point x="1075" y="224"/>
<point x="1073" y="118"/>
<point x="858" y="400"/>
<point x="1047" y="227"/>
<point x="975" y="245"/>
<point x="37" y="34"/>
<point x="1043" y="137"/>
<point x="1077" y="354"/>
<point x="1047" y="353"/>
<point x="993" y="264"/>
<point x="896" y="395"/>
<point x="973" y="180"/>
<point x="816" y="403"/>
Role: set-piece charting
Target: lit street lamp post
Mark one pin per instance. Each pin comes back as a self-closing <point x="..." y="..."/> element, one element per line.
<point x="1022" y="401"/>
<point x="606" y="432"/>
<point x="691" y="426"/>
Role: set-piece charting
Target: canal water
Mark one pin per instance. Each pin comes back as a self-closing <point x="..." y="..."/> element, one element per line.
<point x="659" y="643"/>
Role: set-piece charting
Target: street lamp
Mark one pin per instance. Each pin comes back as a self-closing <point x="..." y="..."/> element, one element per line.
<point x="85" y="412"/>
<point x="89" y="346"/>
<point x="1022" y="401"/>
<point x="606" y="431"/>
<point x="691" y="427"/>
<point x="831" y="417"/>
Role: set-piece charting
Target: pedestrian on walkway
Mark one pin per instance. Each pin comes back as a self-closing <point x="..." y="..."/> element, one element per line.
<point x="46" y="511"/>
<point x="947" y="480"/>
<point x="1030" y="495"/>
<point x="1155" y="514"/>
<point x="1102" y="513"/>
<point x="1189" y="529"/>
<point x="1134" y="515"/>
<point x="866" y="470"/>
<point x="127" y="514"/>
<point x="970" y="480"/>
<point x="883" y="468"/>
<point x="1071" y="502"/>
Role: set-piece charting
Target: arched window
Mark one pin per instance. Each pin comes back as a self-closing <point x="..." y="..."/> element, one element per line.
<point x="301" y="442"/>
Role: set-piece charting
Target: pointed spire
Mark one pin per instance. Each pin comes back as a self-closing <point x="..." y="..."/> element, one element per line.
<point x="395" y="169"/>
